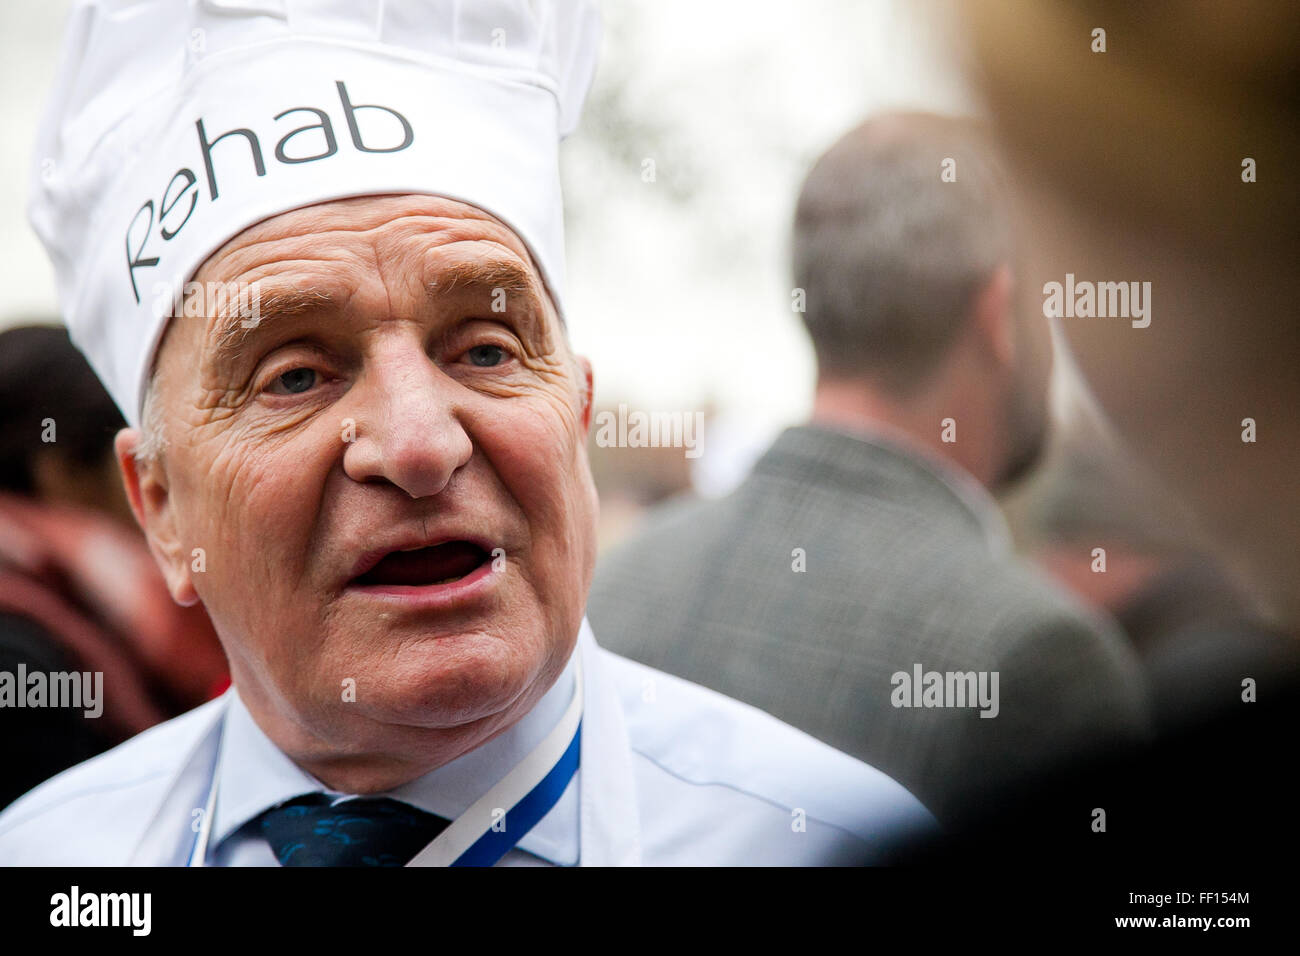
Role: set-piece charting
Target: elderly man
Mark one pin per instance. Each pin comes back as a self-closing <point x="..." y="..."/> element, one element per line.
<point x="859" y="583"/>
<point x="369" y="464"/>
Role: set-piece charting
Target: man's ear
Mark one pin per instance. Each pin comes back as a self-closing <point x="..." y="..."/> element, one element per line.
<point x="146" y="489"/>
<point x="584" y="366"/>
<point x="994" y="316"/>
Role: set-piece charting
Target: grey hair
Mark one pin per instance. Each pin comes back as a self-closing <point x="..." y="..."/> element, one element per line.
<point x="152" y="441"/>
<point x="890" y="256"/>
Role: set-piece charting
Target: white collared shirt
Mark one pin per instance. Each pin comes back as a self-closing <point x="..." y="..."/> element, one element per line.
<point x="253" y="775"/>
<point x="671" y="774"/>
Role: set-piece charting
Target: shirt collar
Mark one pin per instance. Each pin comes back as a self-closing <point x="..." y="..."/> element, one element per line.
<point x="253" y="774"/>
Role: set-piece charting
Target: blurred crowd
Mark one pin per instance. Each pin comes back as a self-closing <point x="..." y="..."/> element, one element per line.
<point x="79" y="590"/>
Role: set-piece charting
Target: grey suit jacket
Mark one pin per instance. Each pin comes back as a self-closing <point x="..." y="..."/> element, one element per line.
<point x="899" y="572"/>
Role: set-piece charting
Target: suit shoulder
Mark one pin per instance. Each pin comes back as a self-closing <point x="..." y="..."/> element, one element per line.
<point x="1033" y="608"/>
<point x="1004" y="607"/>
<point x="706" y="739"/>
<point x="98" y="807"/>
<point x="1060" y="662"/>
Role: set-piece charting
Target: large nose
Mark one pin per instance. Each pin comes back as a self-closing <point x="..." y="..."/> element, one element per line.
<point x="408" y="429"/>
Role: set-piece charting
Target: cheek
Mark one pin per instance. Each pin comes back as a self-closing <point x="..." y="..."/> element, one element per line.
<point x="537" y="451"/>
<point x="252" y="506"/>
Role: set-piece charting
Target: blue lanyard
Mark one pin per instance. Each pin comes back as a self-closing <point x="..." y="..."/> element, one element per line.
<point x="485" y="832"/>
<point x="527" y="813"/>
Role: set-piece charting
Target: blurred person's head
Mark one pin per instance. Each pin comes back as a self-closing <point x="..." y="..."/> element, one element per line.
<point x="56" y="445"/>
<point x="903" y="247"/>
<point x="1167" y="159"/>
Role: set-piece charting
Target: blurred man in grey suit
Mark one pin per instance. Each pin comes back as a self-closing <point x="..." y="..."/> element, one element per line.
<point x="860" y="584"/>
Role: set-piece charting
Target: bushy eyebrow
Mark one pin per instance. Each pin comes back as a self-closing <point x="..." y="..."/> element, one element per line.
<point x="236" y="322"/>
<point x="489" y="275"/>
<point x="495" y="278"/>
<point x="472" y="275"/>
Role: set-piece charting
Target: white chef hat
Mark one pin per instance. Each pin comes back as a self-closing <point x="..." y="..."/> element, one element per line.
<point x="176" y="124"/>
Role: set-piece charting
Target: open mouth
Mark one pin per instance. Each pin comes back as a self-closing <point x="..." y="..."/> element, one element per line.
<point x="425" y="567"/>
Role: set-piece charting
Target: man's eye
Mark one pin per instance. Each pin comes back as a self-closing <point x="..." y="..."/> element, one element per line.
<point x="486" y="355"/>
<point x="295" y="380"/>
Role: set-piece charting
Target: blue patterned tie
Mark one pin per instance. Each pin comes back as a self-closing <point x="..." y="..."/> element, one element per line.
<point x="366" y="831"/>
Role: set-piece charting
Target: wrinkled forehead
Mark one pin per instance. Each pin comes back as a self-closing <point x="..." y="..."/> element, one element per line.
<point x="292" y="264"/>
<point x="393" y="228"/>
